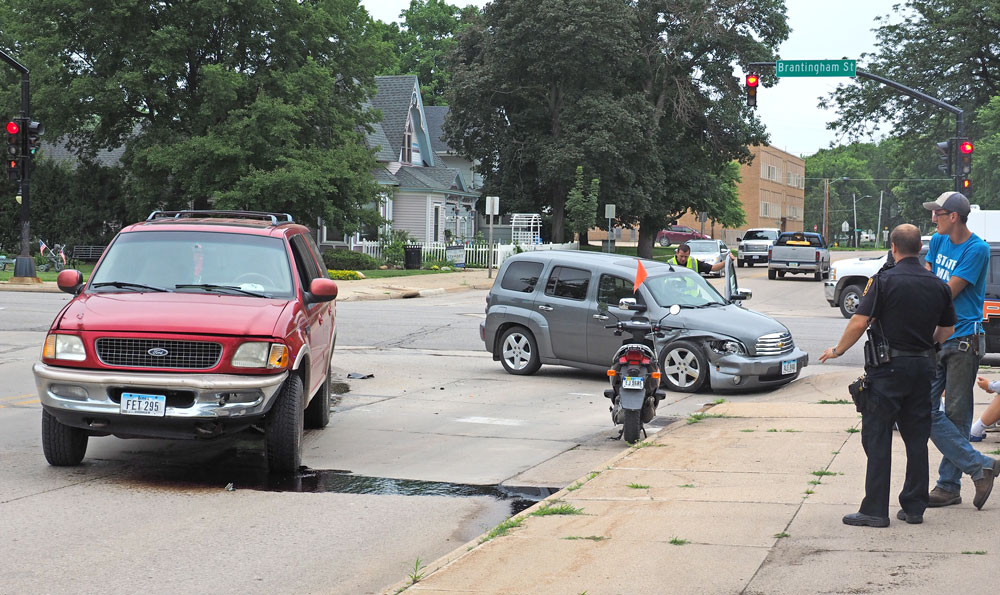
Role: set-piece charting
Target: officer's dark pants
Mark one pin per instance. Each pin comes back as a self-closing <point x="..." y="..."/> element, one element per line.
<point x="901" y="394"/>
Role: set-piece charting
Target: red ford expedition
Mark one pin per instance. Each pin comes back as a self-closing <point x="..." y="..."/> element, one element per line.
<point x="194" y="324"/>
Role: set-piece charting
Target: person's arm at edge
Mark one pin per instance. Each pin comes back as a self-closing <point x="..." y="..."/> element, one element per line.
<point x="855" y="328"/>
<point x="941" y="333"/>
<point x="722" y="262"/>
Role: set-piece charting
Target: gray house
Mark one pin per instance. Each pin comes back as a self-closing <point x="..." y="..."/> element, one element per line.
<point x="426" y="187"/>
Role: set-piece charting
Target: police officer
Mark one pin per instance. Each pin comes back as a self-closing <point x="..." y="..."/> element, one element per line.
<point x="909" y="309"/>
<point x="682" y="257"/>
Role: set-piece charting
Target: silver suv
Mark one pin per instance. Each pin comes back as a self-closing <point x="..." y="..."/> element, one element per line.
<point x="549" y="308"/>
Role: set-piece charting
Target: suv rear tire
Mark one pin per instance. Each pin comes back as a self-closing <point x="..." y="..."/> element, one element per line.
<point x="519" y="351"/>
<point x="283" y="432"/>
<point x="64" y="446"/>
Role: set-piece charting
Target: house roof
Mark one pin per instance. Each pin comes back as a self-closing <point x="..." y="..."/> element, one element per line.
<point x="393" y="99"/>
<point x="60" y="153"/>
<point x="435" y="127"/>
<point x="447" y="180"/>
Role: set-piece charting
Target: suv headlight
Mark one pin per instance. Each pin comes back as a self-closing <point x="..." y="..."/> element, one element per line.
<point x="261" y="355"/>
<point x="728" y="347"/>
<point x="67" y="347"/>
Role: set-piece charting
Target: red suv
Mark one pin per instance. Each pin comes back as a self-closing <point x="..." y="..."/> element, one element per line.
<point x="194" y="324"/>
<point x="678" y="234"/>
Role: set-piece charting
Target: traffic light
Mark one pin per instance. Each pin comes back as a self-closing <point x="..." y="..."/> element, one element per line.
<point x="946" y="152"/>
<point x="12" y="161"/>
<point x="34" y="130"/>
<point x="964" y="162"/>
<point x="752" y="81"/>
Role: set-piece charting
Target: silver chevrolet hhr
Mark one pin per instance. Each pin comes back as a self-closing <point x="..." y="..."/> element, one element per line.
<point x="552" y="308"/>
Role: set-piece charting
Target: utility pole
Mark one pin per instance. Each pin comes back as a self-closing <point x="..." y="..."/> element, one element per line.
<point x="855" y="201"/>
<point x="878" y="230"/>
<point x="826" y="210"/>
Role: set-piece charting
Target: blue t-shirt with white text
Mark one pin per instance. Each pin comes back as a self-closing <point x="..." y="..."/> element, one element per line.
<point x="969" y="261"/>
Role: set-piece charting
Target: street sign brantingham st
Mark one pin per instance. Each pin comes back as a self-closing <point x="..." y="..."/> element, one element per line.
<point x="815" y="67"/>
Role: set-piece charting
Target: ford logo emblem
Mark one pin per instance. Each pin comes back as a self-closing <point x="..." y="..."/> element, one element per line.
<point x="157" y="352"/>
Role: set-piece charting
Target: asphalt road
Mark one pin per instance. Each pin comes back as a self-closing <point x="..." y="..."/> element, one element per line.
<point x="155" y="516"/>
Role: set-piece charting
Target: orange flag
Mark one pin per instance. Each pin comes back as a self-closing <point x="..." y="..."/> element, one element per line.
<point x="640" y="276"/>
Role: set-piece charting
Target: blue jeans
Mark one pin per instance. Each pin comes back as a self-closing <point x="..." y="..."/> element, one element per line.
<point x="956" y="376"/>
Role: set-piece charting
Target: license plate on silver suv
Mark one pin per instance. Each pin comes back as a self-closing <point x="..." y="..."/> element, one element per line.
<point x="789" y="367"/>
<point x="142" y="404"/>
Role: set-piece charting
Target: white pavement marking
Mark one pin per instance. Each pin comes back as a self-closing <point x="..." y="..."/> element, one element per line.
<point x="490" y="420"/>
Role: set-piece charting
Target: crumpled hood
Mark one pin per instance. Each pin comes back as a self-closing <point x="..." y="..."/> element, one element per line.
<point x="731" y="320"/>
<point x="209" y="314"/>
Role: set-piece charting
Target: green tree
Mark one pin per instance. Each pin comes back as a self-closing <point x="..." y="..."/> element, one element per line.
<point x="945" y="48"/>
<point x="424" y="42"/>
<point x="581" y="204"/>
<point x="986" y="157"/>
<point x="248" y="103"/>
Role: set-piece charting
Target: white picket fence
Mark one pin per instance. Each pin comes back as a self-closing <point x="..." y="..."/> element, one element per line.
<point x="475" y="254"/>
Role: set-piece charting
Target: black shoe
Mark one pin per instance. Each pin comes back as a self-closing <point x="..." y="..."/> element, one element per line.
<point x="913" y="519"/>
<point x="865" y="520"/>
<point x="939" y="498"/>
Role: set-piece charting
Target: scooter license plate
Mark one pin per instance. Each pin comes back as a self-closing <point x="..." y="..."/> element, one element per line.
<point x="633" y="382"/>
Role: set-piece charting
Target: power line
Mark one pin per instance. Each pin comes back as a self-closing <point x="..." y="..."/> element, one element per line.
<point x="883" y="179"/>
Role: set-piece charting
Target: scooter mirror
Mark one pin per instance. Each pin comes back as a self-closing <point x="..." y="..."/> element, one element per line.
<point x="675" y="309"/>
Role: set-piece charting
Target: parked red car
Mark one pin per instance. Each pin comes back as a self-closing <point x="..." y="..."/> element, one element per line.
<point x="194" y="324"/>
<point x="678" y="234"/>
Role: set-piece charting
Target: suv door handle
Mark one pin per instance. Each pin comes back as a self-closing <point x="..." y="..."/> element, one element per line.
<point x="600" y="317"/>
<point x="546" y="308"/>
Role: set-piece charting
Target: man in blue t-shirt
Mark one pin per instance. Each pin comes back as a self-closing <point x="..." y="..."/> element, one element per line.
<point x="961" y="259"/>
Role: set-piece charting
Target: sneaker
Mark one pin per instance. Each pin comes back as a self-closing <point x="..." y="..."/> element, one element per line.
<point x="865" y="520"/>
<point x="938" y="498"/>
<point x="974" y="438"/>
<point x="984" y="486"/>
<point x="913" y="519"/>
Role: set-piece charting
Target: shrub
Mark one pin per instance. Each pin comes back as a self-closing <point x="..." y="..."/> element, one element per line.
<point x="393" y="248"/>
<point x="349" y="260"/>
<point x="345" y="275"/>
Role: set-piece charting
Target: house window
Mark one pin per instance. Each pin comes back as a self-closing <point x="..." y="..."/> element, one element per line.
<point x="407" y="151"/>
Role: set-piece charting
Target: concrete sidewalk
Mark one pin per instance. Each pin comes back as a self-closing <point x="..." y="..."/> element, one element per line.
<point x="748" y="499"/>
<point x="363" y="289"/>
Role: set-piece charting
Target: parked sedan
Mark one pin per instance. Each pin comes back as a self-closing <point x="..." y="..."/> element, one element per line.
<point x="552" y="308"/>
<point x="709" y="252"/>
<point x="678" y="234"/>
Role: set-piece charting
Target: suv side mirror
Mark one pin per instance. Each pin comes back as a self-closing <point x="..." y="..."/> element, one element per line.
<point x="742" y="294"/>
<point x="70" y="281"/>
<point x="321" y="290"/>
<point x="630" y="304"/>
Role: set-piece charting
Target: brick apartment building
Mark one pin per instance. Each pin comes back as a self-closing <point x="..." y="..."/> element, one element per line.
<point x="772" y="190"/>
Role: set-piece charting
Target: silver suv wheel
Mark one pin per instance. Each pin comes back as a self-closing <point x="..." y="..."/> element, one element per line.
<point x="518" y="351"/>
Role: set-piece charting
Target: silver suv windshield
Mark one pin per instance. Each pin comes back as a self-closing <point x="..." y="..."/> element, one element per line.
<point x="231" y="263"/>
<point x="685" y="290"/>
<point x="760" y="234"/>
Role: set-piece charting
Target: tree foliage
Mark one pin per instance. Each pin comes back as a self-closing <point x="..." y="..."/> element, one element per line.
<point x="641" y="93"/>
<point x="581" y="203"/>
<point x="241" y="104"/>
<point x="424" y="41"/>
<point x="945" y="48"/>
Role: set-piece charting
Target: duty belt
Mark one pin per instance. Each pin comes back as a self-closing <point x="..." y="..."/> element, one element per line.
<point x="902" y="353"/>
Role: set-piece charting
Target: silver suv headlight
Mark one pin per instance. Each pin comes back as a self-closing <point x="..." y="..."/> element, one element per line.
<point x="728" y="347"/>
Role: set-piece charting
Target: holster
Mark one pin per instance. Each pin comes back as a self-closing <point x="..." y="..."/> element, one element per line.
<point x="877" y="352"/>
<point x="860" y="391"/>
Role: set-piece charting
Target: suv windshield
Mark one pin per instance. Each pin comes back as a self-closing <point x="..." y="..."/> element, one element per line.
<point x="683" y="289"/>
<point x="207" y="261"/>
<point x="760" y="234"/>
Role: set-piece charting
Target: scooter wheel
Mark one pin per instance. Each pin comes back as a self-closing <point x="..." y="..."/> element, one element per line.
<point x="632" y="426"/>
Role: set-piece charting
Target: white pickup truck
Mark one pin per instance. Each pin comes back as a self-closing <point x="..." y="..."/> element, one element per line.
<point x="799" y="252"/>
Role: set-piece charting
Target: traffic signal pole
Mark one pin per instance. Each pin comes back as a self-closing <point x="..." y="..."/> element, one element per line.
<point x="24" y="265"/>
<point x="919" y="95"/>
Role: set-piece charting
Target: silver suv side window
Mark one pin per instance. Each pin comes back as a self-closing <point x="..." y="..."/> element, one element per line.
<point x="610" y="290"/>
<point x="566" y="282"/>
<point x="521" y="276"/>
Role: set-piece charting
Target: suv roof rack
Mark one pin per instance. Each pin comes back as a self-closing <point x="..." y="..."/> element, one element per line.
<point x="274" y="218"/>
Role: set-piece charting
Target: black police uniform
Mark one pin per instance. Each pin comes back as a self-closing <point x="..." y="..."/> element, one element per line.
<point x="906" y="302"/>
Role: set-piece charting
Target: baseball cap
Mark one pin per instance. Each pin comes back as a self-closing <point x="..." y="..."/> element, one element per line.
<point x="950" y="201"/>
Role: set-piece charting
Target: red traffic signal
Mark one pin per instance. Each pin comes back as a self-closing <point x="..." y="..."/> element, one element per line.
<point x="13" y="127"/>
<point x="965" y="147"/>
<point x="966" y="184"/>
<point x="752" y="80"/>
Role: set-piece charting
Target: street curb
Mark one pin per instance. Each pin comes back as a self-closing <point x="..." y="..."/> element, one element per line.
<point x="43" y="287"/>
<point x="474" y="544"/>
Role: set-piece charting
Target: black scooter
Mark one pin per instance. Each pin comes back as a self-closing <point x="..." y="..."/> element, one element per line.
<point x="635" y="372"/>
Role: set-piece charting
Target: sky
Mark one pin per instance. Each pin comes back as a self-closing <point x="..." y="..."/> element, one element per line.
<point x="821" y="30"/>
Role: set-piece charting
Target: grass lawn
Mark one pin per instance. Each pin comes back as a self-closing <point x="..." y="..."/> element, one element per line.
<point x="86" y="269"/>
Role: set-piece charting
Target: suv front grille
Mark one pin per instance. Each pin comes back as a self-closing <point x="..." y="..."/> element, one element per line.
<point x="774" y="344"/>
<point x="135" y="353"/>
